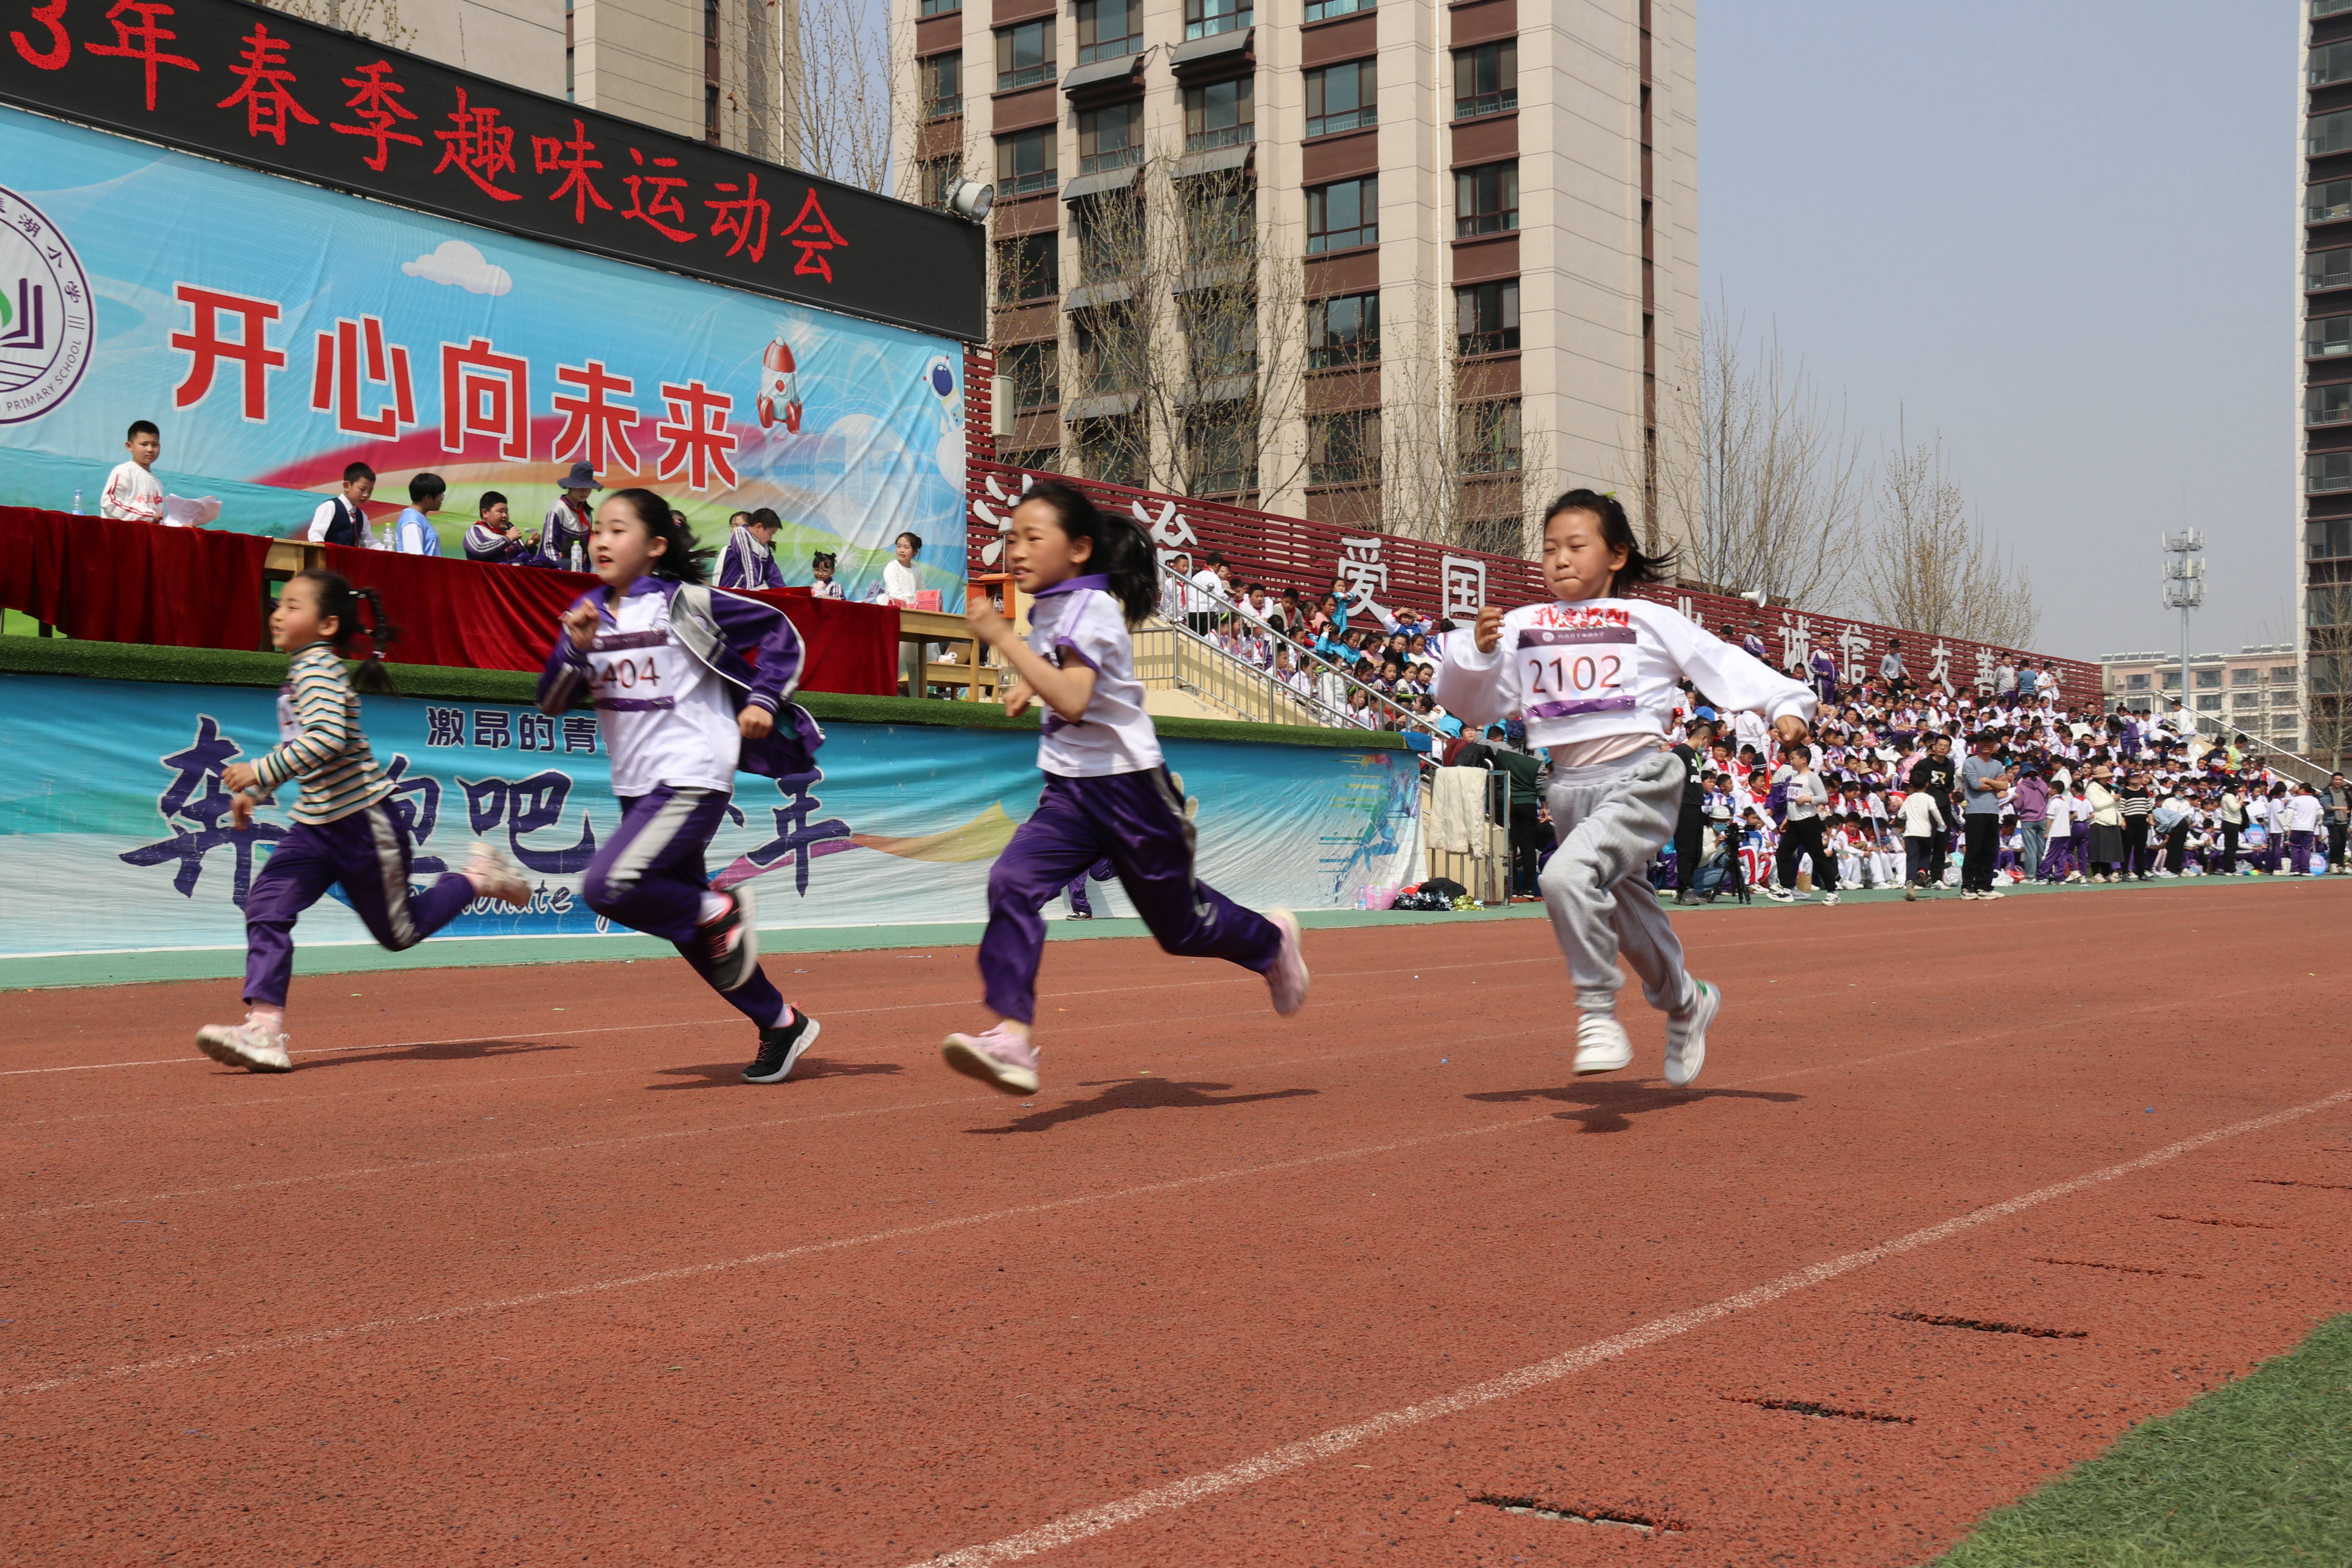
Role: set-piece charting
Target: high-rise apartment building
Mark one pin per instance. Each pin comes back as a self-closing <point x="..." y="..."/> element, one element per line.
<point x="2324" y="550"/>
<point x="1409" y="266"/>
<point x="711" y="69"/>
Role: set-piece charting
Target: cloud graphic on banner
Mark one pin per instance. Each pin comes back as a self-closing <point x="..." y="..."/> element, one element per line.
<point x="457" y="263"/>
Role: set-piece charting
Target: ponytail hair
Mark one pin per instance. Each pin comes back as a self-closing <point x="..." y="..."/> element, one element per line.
<point x="675" y="563"/>
<point x="338" y="598"/>
<point x="1617" y="532"/>
<point x="1121" y="552"/>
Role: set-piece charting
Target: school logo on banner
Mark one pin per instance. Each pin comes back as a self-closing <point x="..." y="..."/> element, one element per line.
<point x="46" y="312"/>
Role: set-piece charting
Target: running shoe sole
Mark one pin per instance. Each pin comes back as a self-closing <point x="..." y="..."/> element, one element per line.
<point x="216" y="1044"/>
<point x="793" y="1057"/>
<point x="1693" y="1052"/>
<point x="972" y="1062"/>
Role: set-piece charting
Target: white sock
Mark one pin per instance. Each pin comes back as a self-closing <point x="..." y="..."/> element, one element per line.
<point x="270" y="1018"/>
<point x="714" y="906"/>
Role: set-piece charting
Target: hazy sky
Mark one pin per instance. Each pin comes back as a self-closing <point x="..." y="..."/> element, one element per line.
<point x="2061" y="234"/>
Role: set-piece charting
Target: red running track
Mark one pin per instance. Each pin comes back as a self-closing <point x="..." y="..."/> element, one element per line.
<point x="515" y="1271"/>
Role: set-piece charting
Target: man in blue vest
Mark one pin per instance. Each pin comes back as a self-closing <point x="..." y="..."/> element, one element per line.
<point x="343" y="520"/>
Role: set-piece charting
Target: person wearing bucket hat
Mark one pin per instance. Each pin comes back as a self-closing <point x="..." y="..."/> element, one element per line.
<point x="563" y="539"/>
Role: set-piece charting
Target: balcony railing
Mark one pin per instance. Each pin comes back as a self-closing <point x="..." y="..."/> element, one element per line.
<point x="1207" y="20"/>
<point x="1486" y="103"/>
<point x="1117" y="158"/>
<point x="1224" y="136"/>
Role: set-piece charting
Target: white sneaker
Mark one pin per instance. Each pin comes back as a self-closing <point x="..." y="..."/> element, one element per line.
<point x="1602" y="1045"/>
<point x="1968" y="893"/>
<point x="246" y="1045"/>
<point x="1779" y="895"/>
<point x="1287" y="980"/>
<point x="1828" y="898"/>
<point x="499" y="879"/>
<point x="1989" y="893"/>
<point x="1686" y="1035"/>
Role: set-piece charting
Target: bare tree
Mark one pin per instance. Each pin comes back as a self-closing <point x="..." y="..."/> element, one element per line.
<point x="1931" y="566"/>
<point x="378" y="21"/>
<point x="838" y="95"/>
<point x="1453" y="458"/>
<point x="1760" y="485"/>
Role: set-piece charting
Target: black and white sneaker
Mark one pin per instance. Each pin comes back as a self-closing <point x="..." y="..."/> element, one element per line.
<point x="729" y="944"/>
<point x="780" y="1048"/>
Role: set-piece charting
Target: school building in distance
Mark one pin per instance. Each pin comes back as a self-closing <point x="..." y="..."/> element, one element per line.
<point x="2253" y="689"/>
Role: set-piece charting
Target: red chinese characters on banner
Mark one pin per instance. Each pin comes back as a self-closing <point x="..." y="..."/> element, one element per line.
<point x="595" y="428"/>
<point x="699" y="441"/>
<point x="265" y="86"/>
<point x="548" y="154"/>
<point x="59" y="49"/>
<point x="485" y="392"/>
<point x="813" y="232"/>
<point x="653" y="197"/>
<point x="743" y="217"/>
<point x="250" y="352"/>
<point x="479" y="148"/>
<point x="141" y="40"/>
<point x="375" y="103"/>
<point x="355" y="352"/>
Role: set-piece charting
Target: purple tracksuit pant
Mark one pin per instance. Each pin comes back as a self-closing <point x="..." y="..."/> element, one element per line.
<point x="649" y="875"/>
<point x="368" y="853"/>
<point x="1137" y="822"/>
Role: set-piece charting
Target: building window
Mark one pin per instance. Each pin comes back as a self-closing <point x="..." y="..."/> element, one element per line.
<point x="1024" y="53"/>
<point x="1343" y="215"/>
<point x="1109" y="29"/>
<point x="1316" y="10"/>
<point x="1487" y="436"/>
<point x="1110" y="235"/>
<point x="2244" y="700"/>
<point x="2325" y="337"/>
<point x="1111" y="450"/>
<point x="2326" y="471"/>
<point x="1036" y="373"/>
<point x="2245" y="676"/>
<point x="2281" y="675"/>
<point x="2330" y="63"/>
<point x="1486" y="78"/>
<point x="2172" y="680"/>
<point x="2134" y="683"/>
<point x="2329" y="538"/>
<point x="2327" y="200"/>
<point x="1220" y="331"/>
<point x="2209" y="681"/>
<point x="1344" y="449"/>
<point x="2329" y="7"/>
<point x="1487" y="199"/>
<point x="1029" y="267"/>
<point x="1220" y="219"/>
<point x="1025" y="162"/>
<point x="942" y="8"/>
<point x="1035" y="460"/>
<point x="1107" y="346"/>
<point x="1223" y="448"/>
<point x="942" y="84"/>
<point x="1486" y="318"/>
<point x="2328" y="133"/>
<point x="1222" y="114"/>
<point x="2327" y="404"/>
<point x="1110" y="137"/>
<point x="2209" y="705"/>
<point x="710" y="112"/>
<point x="939" y="177"/>
<point x="1345" y="330"/>
<point x="1206" y="18"/>
<point x="1342" y="98"/>
<point x="2328" y="606"/>
<point x="2327" y="269"/>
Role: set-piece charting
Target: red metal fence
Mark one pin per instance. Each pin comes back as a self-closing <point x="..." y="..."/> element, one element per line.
<point x="1383" y="569"/>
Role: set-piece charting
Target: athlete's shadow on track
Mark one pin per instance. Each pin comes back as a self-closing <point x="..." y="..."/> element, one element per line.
<point x="436" y="1051"/>
<point x="1137" y="1094"/>
<point x="724" y="1075"/>
<point x="1607" y="1105"/>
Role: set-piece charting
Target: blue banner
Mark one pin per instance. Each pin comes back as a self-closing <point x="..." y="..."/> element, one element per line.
<point x="115" y="836"/>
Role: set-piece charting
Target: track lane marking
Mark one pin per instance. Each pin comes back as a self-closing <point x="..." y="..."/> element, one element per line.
<point x="1085" y="1525"/>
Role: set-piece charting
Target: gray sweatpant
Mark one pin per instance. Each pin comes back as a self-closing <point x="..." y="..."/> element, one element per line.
<point x="1610" y="819"/>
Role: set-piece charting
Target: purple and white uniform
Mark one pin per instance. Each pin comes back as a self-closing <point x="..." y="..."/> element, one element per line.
<point x="1107" y="795"/>
<point x="667" y="677"/>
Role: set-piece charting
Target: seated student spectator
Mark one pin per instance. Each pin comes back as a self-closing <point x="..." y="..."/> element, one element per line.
<point x="132" y="493"/>
<point x="490" y="537"/>
<point x="413" y="533"/>
<point x="901" y="583"/>
<point x="821" y="583"/>
<point x="563" y="536"/>
<point x="342" y="520"/>
<point x="750" y="559"/>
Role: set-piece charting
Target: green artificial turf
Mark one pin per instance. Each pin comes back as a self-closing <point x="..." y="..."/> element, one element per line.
<point x="2254" y="1475"/>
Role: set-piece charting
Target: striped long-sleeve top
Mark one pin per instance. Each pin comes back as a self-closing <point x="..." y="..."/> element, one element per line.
<point x="321" y="744"/>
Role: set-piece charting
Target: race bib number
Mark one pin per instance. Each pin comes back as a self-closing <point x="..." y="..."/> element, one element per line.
<point x="1564" y="671"/>
<point x="625" y="670"/>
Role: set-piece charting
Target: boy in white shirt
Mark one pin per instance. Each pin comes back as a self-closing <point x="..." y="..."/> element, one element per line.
<point x="132" y="493"/>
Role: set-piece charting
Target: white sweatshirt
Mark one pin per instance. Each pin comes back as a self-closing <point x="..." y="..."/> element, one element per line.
<point x="1603" y="668"/>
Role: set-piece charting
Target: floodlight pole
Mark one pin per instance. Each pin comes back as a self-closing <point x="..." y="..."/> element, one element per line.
<point x="2184" y="590"/>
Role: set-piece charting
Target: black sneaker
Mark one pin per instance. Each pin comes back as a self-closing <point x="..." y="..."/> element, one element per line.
<point x="730" y="943"/>
<point x="780" y="1048"/>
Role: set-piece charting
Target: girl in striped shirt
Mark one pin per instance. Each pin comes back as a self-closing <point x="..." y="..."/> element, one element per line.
<point x="344" y="833"/>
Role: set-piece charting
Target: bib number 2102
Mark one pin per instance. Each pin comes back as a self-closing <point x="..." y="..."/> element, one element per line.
<point x="1583" y="669"/>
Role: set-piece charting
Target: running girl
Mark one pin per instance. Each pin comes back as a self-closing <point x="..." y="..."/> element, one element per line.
<point x="1107" y="793"/>
<point x="1595" y="676"/>
<point x="662" y="659"/>
<point x="343" y="834"/>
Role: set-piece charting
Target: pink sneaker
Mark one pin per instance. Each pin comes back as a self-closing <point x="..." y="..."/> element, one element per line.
<point x="1288" y="979"/>
<point x="999" y="1058"/>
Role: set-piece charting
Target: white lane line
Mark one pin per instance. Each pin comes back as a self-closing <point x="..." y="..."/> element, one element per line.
<point x="698" y="1270"/>
<point x="1072" y="1528"/>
